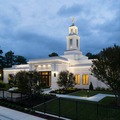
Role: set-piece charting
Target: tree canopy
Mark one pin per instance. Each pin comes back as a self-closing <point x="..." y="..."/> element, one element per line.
<point x="53" y="54"/>
<point x="107" y="68"/>
<point x="66" y="79"/>
<point x="28" y="81"/>
<point x="9" y="59"/>
<point x="91" y="56"/>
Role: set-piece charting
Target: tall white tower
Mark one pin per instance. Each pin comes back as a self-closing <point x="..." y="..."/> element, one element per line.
<point x="73" y="40"/>
<point x="73" y="43"/>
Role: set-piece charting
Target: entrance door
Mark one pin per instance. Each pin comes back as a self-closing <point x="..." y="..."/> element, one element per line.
<point x="46" y="78"/>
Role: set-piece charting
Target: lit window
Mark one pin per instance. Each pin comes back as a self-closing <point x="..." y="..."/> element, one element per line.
<point x="85" y="79"/>
<point x="77" y="79"/>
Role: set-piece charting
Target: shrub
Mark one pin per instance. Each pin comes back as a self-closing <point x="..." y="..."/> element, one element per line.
<point x="91" y="86"/>
<point x="2" y="85"/>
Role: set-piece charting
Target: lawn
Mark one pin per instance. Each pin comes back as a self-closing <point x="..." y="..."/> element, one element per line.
<point x="81" y="110"/>
<point x="85" y="93"/>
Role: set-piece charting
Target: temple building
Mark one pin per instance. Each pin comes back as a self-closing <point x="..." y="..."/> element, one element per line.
<point x="73" y="60"/>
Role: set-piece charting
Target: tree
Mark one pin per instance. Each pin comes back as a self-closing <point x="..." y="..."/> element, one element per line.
<point x="53" y="54"/>
<point x="28" y="81"/>
<point x="66" y="79"/>
<point x="9" y="59"/>
<point x="107" y="69"/>
<point x="19" y="60"/>
<point x="91" y="56"/>
<point x="91" y="86"/>
<point x="1" y="60"/>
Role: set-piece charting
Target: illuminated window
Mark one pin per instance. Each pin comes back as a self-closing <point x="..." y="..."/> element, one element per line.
<point x="77" y="79"/>
<point x="85" y="79"/>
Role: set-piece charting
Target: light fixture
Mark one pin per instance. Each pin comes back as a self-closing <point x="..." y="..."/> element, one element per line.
<point x="39" y="66"/>
<point x="44" y="65"/>
<point x="49" y="65"/>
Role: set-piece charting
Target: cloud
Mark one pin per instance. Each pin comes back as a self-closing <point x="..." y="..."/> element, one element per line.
<point x="70" y="11"/>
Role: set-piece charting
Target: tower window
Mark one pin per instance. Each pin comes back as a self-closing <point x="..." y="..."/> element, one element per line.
<point x="77" y="43"/>
<point x="76" y="31"/>
<point x="71" y="30"/>
<point x="71" y="43"/>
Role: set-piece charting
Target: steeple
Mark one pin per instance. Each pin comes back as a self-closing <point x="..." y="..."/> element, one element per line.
<point x="73" y="43"/>
<point x="73" y="40"/>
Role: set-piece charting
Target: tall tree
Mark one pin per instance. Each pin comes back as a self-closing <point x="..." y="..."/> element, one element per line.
<point x="19" y="60"/>
<point x="9" y="59"/>
<point x="107" y="69"/>
<point x="66" y="79"/>
<point x="1" y="60"/>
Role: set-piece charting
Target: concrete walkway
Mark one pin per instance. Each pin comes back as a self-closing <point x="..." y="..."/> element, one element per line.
<point x="9" y="114"/>
<point x="95" y="98"/>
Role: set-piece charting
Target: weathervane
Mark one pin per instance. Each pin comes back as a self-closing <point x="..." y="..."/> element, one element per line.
<point x="73" y="20"/>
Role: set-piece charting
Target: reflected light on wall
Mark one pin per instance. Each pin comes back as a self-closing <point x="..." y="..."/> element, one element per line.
<point x="39" y="66"/>
<point x="44" y="65"/>
<point x="49" y="65"/>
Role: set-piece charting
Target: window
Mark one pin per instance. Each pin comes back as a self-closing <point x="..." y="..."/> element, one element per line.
<point x="54" y="74"/>
<point x="71" y="31"/>
<point x="77" y="79"/>
<point x="77" y="43"/>
<point x="85" y="79"/>
<point x="76" y="31"/>
<point x="71" y="43"/>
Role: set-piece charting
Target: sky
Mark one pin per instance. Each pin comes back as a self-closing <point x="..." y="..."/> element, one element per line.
<point x="36" y="28"/>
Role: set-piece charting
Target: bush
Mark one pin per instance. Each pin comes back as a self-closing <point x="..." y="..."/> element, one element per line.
<point x="2" y="85"/>
<point x="91" y="86"/>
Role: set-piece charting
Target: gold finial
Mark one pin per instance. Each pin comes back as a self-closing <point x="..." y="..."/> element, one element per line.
<point x="73" y="20"/>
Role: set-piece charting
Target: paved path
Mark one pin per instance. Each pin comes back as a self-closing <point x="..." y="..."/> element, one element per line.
<point x="95" y="98"/>
<point x="9" y="114"/>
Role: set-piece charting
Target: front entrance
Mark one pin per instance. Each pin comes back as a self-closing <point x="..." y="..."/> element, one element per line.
<point x="46" y="78"/>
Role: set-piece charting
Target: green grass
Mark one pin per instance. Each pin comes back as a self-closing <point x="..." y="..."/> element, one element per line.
<point x="84" y="93"/>
<point x="81" y="109"/>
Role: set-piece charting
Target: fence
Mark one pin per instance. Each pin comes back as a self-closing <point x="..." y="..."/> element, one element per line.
<point x="79" y="110"/>
<point x="63" y="107"/>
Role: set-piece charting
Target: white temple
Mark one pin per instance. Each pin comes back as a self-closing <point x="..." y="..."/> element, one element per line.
<point x="73" y="60"/>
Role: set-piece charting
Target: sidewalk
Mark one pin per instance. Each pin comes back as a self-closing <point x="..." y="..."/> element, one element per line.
<point x="9" y="114"/>
<point x="95" y="98"/>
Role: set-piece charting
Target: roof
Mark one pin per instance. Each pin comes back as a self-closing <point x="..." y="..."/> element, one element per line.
<point x="50" y="59"/>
